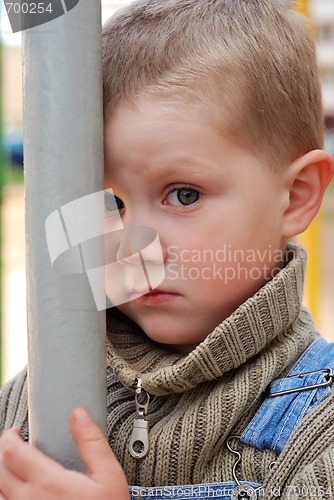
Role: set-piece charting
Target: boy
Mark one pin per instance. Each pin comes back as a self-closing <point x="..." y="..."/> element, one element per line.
<point x="213" y="136"/>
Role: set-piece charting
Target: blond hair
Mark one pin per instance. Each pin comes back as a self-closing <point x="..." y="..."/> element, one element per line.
<point x="249" y="64"/>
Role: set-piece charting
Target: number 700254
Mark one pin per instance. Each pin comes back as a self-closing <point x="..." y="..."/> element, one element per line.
<point x="28" y="7"/>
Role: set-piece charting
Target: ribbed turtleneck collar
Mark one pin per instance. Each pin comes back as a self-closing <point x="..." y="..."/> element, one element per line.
<point x="252" y="327"/>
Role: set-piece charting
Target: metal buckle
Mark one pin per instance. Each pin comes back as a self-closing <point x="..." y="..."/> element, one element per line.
<point x="329" y="380"/>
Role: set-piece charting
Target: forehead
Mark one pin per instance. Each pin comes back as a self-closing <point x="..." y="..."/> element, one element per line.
<point x="162" y="131"/>
<point x="157" y="116"/>
<point x="158" y="138"/>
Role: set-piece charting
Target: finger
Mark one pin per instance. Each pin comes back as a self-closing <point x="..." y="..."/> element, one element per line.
<point x="92" y="445"/>
<point x="13" y="430"/>
<point x="26" y="462"/>
<point x="9" y="483"/>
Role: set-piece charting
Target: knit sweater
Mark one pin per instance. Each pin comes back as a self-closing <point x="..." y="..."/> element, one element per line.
<point x="200" y="399"/>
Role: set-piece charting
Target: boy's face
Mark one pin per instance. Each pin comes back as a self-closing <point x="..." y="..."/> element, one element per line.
<point x="217" y="208"/>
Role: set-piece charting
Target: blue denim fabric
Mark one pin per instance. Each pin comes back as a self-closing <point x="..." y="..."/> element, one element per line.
<point x="206" y="491"/>
<point x="271" y="427"/>
<point x="279" y="415"/>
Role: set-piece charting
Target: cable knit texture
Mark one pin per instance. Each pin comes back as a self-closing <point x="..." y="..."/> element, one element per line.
<point x="199" y="400"/>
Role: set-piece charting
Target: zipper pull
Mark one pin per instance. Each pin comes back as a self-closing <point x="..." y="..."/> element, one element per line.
<point x="138" y="446"/>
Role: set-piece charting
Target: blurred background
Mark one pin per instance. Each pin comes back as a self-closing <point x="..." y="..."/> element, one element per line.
<point x="319" y="296"/>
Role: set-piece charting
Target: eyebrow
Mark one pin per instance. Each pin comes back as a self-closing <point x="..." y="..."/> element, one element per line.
<point x="179" y="165"/>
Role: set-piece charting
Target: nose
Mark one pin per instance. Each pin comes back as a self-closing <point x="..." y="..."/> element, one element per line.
<point x="126" y="251"/>
<point x="141" y="226"/>
<point x="139" y="242"/>
<point x="140" y="256"/>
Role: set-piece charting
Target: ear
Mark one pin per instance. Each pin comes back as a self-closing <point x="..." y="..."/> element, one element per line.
<point x="307" y="180"/>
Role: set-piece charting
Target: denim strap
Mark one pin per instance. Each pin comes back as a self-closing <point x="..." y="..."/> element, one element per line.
<point x="281" y="412"/>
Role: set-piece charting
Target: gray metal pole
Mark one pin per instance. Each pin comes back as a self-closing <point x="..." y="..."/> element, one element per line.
<point x="63" y="131"/>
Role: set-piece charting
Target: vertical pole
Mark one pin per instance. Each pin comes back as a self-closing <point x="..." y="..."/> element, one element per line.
<point x="63" y="131"/>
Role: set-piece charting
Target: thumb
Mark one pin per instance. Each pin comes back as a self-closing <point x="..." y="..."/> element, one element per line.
<point x="93" y="447"/>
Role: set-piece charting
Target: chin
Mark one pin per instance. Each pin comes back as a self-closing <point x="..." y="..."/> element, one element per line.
<point x="162" y="337"/>
<point x="169" y="330"/>
<point x="177" y="340"/>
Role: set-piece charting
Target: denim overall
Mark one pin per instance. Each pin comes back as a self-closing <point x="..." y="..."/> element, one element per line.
<point x="289" y="399"/>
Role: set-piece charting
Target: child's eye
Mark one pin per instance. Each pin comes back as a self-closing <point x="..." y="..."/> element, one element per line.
<point x="112" y="203"/>
<point x="119" y="203"/>
<point x="184" y="196"/>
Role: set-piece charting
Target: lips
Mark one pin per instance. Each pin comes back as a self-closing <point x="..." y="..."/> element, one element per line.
<point x="158" y="297"/>
<point x="156" y="291"/>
